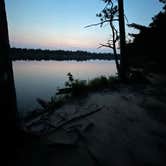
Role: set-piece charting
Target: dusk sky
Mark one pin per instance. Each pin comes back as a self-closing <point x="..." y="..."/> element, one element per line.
<point x="59" y="24"/>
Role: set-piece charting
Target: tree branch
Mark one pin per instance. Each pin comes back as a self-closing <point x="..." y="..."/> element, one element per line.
<point x="106" y="45"/>
<point x="100" y="23"/>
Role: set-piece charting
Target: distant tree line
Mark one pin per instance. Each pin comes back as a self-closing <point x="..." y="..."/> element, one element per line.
<point x="39" y="54"/>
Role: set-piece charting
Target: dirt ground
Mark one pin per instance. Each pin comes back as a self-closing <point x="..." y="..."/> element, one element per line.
<point x="121" y="127"/>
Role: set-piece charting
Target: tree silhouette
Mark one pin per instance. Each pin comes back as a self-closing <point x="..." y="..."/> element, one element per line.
<point x="112" y="13"/>
<point x="163" y="1"/>
<point x="123" y="62"/>
<point x="148" y="46"/>
<point x="7" y="89"/>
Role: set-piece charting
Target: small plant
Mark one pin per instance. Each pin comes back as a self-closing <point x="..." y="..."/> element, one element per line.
<point x="70" y="81"/>
<point x="78" y="87"/>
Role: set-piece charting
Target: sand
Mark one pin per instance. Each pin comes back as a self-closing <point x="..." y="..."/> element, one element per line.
<point x="129" y="128"/>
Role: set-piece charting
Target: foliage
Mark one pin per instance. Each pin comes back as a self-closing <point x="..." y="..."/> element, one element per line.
<point x="109" y="15"/>
<point x="98" y="83"/>
<point x="81" y="87"/>
<point x="102" y="82"/>
<point x="78" y="87"/>
<point x="148" y="47"/>
<point x="163" y="1"/>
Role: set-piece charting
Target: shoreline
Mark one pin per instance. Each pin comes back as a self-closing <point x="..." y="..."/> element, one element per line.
<point x="124" y="126"/>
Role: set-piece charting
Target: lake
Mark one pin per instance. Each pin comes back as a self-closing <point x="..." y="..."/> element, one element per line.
<point x="40" y="79"/>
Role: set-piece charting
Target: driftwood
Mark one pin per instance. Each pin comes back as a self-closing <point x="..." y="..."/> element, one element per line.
<point x="36" y="113"/>
<point x="70" y="120"/>
<point x="43" y="103"/>
<point x="63" y="91"/>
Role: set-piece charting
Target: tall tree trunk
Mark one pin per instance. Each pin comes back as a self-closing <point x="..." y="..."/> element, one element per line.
<point x="123" y="65"/>
<point x="7" y="89"/>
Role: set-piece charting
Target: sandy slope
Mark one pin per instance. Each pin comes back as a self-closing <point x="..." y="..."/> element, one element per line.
<point x="129" y="128"/>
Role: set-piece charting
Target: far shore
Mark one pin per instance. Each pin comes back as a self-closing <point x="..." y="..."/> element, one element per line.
<point x="38" y="54"/>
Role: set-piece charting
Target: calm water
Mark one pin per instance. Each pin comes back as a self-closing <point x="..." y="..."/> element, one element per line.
<point x="35" y="79"/>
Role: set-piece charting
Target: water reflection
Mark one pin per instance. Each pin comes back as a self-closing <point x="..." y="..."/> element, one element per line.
<point x="41" y="78"/>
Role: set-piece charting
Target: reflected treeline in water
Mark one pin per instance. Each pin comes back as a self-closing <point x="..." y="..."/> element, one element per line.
<point x="148" y="47"/>
<point x="39" y="54"/>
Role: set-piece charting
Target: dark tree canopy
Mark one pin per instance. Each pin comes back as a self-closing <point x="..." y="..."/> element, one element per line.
<point x="163" y="1"/>
<point x="148" y="47"/>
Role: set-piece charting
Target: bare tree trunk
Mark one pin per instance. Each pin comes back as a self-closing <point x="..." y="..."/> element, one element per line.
<point x="123" y="65"/>
<point x="114" y="49"/>
<point x="7" y="88"/>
